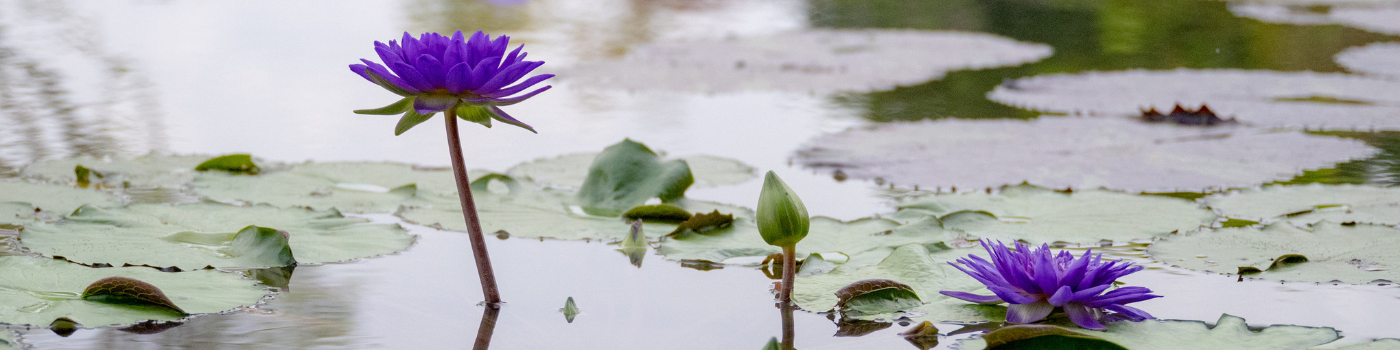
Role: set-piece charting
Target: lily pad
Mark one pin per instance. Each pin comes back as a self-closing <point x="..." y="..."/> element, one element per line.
<point x="626" y="175"/>
<point x="355" y="187"/>
<point x="1377" y="344"/>
<point x="1229" y="332"/>
<point x="193" y="236"/>
<point x="1036" y="214"/>
<point x="35" y="292"/>
<point x="1333" y="252"/>
<point x="875" y="296"/>
<point x="914" y="265"/>
<point x="9" y="340"/>
<point x="1377" y="17"/>
<point x="526" y="210"/>
<point x="1306" y="204"/>
<point x="1327" y="101"/>
<point x="1379" y="59"/>
<point x="1045" y="337"/>
<point x="816" y="61"/>
<point x="571" y="170"/>
<point x="22" y="203"/>
<point x="1076" y="152"/>
<point x="148" y="171"/>
<point x="865" y="241"/>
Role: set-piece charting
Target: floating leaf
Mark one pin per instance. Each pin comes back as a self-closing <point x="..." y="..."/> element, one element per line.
<point x="1044" y="337"/>
<point x="1229" y="332"/>
<point x="815" y="61"/>
<point x="356" y="187"/>
<point x="1256" y="97"/>
<point x="193" y="236"/>
<point x="865" y="241"/>
<point x="626" y="175"/>
<point x="1305" y="204"/>
<point x="1037" y="214"/>
<point x="148" y="171"/>
<point x="1378" y="58"/>
<point x="923" y="335"/>
<point x="927" y="273"/>
<point x="704" y="223"/>
<point x="233" y="163"/>
<point x="1075" y="152"/>
<point x="659" y="213"/>
<point x="571" y="170"/>
<point x="1325" y="252"/>
<point x="35" y="292"/>
<point x="876" y="296"/>
<point x="24" y="202"/>
<point x="570" y="310"/>
<point x="129" y="291"/>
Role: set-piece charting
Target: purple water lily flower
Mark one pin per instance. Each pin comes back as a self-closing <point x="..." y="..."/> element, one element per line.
<point x="435" y="73"/>
<point x="1036" y="281"/>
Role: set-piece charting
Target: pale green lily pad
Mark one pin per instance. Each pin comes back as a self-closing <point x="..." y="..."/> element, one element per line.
<point x="1075" y="152"/>
<point x="1040" y="215"/>
<point x="35" y="292"/>
<point x="355" y="187"/>
<point x="1377" y="344"/>
<point x="571" y="169"/>
<point x="22" y="203"/>
<point x="9" y="340"/>
<point x="1254" y="97"/>
<point x="865" y="241"/>
<point x="1379" y="58"/>
<point x="916" y="266"/>
<point x="810" y="61"/>
<point x="1350" y="254"/>
<point x="148" y="171"/>
<point x="193" y="236"/>
<point x="1306" y="204"/>
<point x="1229" y="332"/>
<point x="526" y="210"/>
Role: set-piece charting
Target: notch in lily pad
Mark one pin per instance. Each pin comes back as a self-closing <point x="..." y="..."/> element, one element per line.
<point x="626" y="175"/>
<point x="233" y="163"/>
<point x="129" y="291"/>
<point x="876" y="296"/>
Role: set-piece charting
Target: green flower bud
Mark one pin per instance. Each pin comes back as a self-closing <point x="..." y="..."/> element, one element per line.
<point x="782" y="219"/>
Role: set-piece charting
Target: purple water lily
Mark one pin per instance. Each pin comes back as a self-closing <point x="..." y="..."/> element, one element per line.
<point x="1036" y="281"/>
<point x="435" y="73"/>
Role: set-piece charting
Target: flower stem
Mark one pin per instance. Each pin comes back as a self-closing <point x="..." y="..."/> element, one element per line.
<point x="464" y="190"/>
<point x="785" y="299"/>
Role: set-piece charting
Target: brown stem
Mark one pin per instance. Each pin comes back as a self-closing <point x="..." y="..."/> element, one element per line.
<point x="488" y="326"/>
<point x="785" y="298"/>
<point x="464" y="191"/>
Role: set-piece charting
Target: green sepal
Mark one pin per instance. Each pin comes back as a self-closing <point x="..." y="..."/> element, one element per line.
<point x="474" y="113"/>
<point x="403" y="105"/>
<point x="388" y="86"/>
<point x="409" y="120"/>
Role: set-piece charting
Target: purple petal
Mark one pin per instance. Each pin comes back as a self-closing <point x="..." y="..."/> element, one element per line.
<point x="514" y="56"/>
<point x="1083" y="316"/>
<point x="387" y="53"/>
<point x="388" y="76"/>
<point x="360" y="69"/>
<point x="453" y="55"/>
<point x="1011" y="296"/>
<point x="501" y="79"/>
<point x="412" y="76"/>
<point x="481" y="72"/>
<point x="980" y="299"/>
<point x="411" y="47"/>
<point x="1062" y="296"/>
<point x="427" y="104"/>
<point x="1089" y="293"/>
<point x="506" y="118"/>
<point x="1129" y="312"/>
<point x="1027" y="313"/>
<point x="458" y="78"/>
<point x="431" y="69"/>
<point x="518" y="99"/>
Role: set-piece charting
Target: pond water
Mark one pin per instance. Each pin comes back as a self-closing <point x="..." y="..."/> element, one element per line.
<point x="130" y="77"/>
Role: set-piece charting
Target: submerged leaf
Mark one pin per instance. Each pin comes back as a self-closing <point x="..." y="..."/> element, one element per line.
<point x="233" y="163"/>
<point x="1229" y="332"/>
<point x="626" y="175"/>
<point x="1332" y="252"/>
<point x="128" y="291"/>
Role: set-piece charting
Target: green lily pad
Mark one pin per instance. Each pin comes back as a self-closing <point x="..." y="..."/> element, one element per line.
<point x="526" y="210"/>
<point x="1044" y="337"/>
<point x="9" y="340"/>
<point x="875" y="296"/>
<point x="193" y="236"/>
<point x="1074" y="152"/>
<point x="571" y="170"/>
<point x="22" y="203"/>
<point x="1305" y="204"/>
<point x="355" y="187"/>
<point x="1037" y="214"/>
<point x="148" y="171"/>
<point x="1347" y="253"/>
<point x="1229" y="332"/>
<point x="626" y="175"/>
<point x="1377" y="344"/>
<point x="914" y="265"/>
<point x="35" y="292"/>
<point x="1256" y="97"/>
<point x="865" y="241"/>
<point x="1381" y="59"/>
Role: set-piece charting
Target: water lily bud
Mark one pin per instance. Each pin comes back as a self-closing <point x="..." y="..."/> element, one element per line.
<point x="782" y="219"/>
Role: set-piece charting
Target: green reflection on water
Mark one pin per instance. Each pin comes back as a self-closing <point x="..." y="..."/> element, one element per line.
<point x="1383" y="169"/>
<point x="1087" y="36"/>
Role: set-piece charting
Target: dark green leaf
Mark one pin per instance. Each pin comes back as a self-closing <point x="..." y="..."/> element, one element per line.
<point x="409" y="120"/>
<point x="233" y="163"/>
<point x="626" y="175"/>
<point x="394" y="109"/>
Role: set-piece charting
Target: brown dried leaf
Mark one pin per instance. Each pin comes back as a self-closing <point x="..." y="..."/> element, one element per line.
<point x="123" y="290"/>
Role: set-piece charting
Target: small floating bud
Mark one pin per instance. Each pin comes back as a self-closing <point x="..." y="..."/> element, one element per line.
<point x="782" y="219"/>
